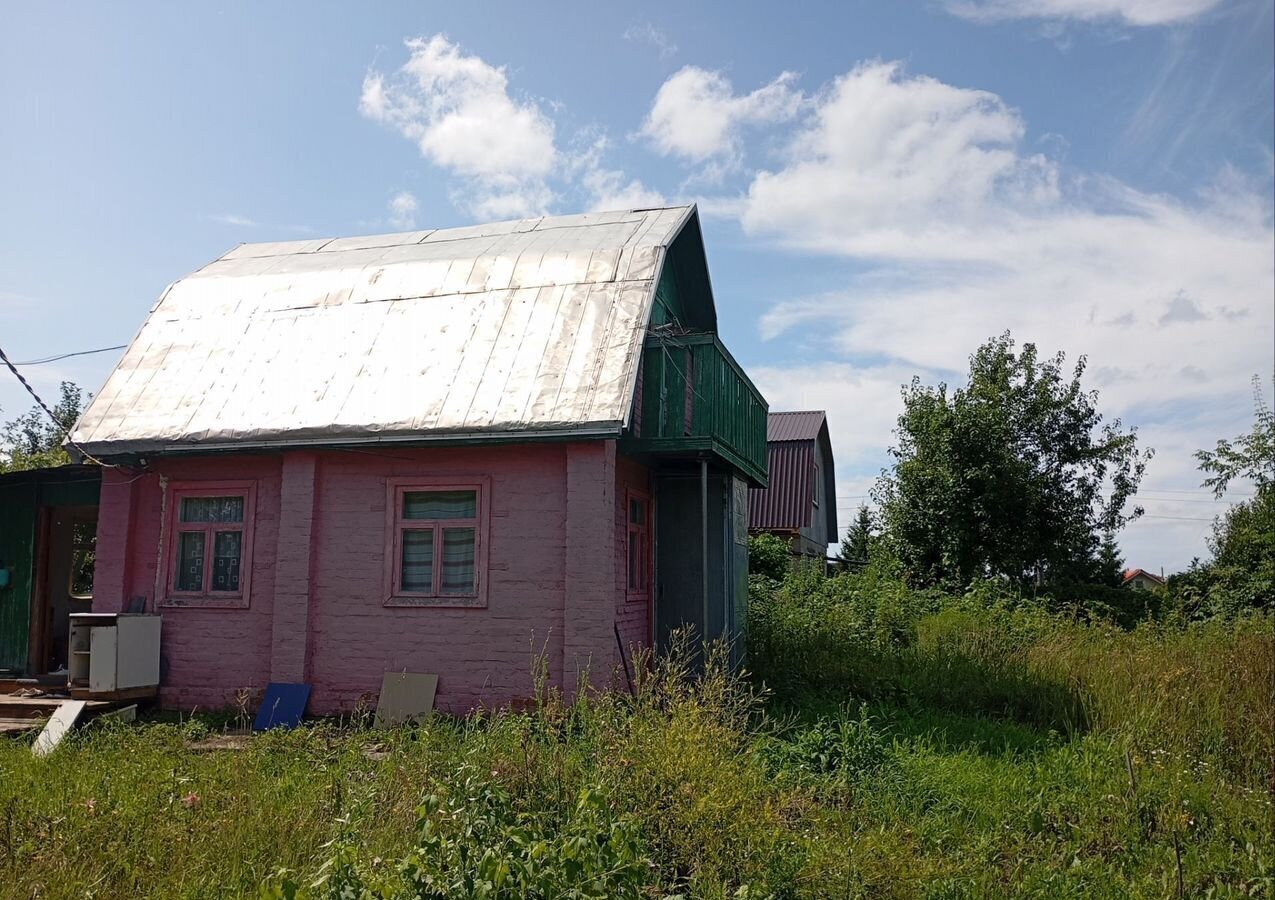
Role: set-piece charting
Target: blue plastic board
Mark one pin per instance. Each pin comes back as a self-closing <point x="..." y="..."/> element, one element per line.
<point x="282" y="706"/>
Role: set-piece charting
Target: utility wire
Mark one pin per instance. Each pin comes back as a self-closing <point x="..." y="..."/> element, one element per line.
<point x="44" y="406"/>
<point x="1176" y="518"/>
<point x="49" y="359"/>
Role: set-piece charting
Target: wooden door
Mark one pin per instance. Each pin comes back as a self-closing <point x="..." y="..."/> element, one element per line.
<point x="70" y="550"/>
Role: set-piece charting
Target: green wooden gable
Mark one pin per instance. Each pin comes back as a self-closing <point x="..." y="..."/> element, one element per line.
<point x="693" y="398"/>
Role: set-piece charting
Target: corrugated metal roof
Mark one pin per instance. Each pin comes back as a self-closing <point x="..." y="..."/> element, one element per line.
<point x="788" y="501"/>
<point x="801" y="425"/>
<point x="528" y="326"/>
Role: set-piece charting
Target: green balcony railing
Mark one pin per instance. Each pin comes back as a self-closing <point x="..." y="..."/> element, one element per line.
<point x="693" y="397"/>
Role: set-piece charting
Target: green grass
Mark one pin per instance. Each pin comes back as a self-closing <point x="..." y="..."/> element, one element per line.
<point x="889" y="746"/>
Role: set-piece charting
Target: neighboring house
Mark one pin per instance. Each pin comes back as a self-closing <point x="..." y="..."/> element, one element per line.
<point x="800" y="503"/>
<point x="1141" y="579"/>
<point x="442" y="451"/>
<point x="48" y="528"/>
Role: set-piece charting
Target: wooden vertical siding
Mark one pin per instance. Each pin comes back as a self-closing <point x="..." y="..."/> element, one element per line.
<point x="19" y="503"/>
<point x="696" y="397"/>
<point x="22" y="494"/>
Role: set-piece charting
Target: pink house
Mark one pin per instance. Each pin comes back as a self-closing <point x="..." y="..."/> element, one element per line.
<point x="441" y="451"/>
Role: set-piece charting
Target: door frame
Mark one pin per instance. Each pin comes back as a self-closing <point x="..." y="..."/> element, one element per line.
<point x="38" y="615"/>
<point x="39" y="630"/>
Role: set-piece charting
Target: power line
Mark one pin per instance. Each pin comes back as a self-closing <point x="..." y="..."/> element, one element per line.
<point x="44" y="406"/>
<point x="49" y="359"/>
<point x="1141" y="499"/>
<point x="1177" y="518"/>
<point x="1198" y="491"/>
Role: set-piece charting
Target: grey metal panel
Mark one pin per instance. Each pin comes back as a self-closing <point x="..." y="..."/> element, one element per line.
<point x="275" y="248"/>
<point x="513" y="327"/>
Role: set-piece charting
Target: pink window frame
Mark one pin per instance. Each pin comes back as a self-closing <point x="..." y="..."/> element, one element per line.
<point x="207" y="599"/>
<point x="395" y="488"/>
<point x="644" y="592"/>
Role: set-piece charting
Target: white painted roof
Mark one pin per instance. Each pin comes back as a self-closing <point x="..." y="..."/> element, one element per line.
<point x="527" y="326"/>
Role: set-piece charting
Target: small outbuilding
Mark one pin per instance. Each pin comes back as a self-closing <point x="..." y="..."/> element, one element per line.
<point x="444" y="451"/>
<point x="800" y="503"/>
<point x="48" y="533"/>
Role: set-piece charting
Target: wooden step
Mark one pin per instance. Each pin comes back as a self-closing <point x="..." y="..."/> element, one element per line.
<point x="42" y="707"/>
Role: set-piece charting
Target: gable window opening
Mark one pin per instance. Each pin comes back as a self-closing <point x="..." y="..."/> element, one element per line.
<point x="639" y="546"/>
<point x="210" y="535"/>
<point x="437" y="554"/>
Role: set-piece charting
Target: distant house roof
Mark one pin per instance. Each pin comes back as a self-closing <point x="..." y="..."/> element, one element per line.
<point x="531" y="327"/>
<point x="803" y="425"/>
<point x="1130" y="574"/>
<point x="787" y="503"/>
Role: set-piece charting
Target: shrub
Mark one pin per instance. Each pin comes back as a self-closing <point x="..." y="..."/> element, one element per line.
<point x="844" y="749"/>
<point x="473" y="842"/>
<point x="769" y="556"/>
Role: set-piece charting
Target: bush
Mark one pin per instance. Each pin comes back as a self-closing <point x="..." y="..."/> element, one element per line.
<point x="844" y="749"/>
<point x="1200" y="689"/>
<point x="473" y="842"/>
<point x="768" y="556"/>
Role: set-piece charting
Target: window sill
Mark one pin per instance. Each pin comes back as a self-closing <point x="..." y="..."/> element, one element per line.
<point x="204" y="603"/>
<point x="436" y="602"/>
<point x="639" y="597"/>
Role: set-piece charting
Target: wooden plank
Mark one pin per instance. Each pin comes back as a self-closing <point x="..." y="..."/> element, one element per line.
<point x="17" y="726"/>
<point x="137" y="693"/>
<point x="123" y="714"/>
<point x="57" y="727"/>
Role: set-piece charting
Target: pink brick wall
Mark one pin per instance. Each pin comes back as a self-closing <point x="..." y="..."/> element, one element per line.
<point x="210" y="653"/>
<point x="319" y="616"/>
<point x="632" y="616"/>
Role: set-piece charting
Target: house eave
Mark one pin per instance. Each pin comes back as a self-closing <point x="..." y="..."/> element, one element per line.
<point x="134" y="449"/>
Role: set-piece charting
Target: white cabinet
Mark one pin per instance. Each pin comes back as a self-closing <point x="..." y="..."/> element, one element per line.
<point x="113" y="653"/>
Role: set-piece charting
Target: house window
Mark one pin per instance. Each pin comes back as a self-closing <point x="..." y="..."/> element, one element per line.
<point x="818" y="489"/>
<point x="210" y="544"/>
<point x="437" y="556"/>
<point x="639" y="545"/>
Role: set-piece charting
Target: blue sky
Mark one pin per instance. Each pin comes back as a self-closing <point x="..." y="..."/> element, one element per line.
<point x="884" y="185"/>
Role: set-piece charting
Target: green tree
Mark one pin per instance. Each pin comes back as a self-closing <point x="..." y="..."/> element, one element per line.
<point x="769" y="555"/>
<point x="1014" y="475"/>
<point x="1241" y="573"/>
<point x="856" y="546"/>
<point x="33" y="441"/>
<point x="1250" y="456"/>
<point x="1109" y="565"/>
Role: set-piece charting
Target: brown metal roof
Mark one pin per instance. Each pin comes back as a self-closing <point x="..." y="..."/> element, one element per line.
<point x="786" y="503"/>
<point x="794" y="426"/>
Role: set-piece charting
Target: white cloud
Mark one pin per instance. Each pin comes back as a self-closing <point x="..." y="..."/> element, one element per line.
<point x="458" y="111"/>
<point x="883" y="151"/>
<point x="403" y="208"/>
<point x="1129" y="12"/>
<point x="607" y="189"/>
<point x="234" y="219"/>
<point x="696" y="114"/>
<point x="646" y="33"/>
<point x="959" y="235"/>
